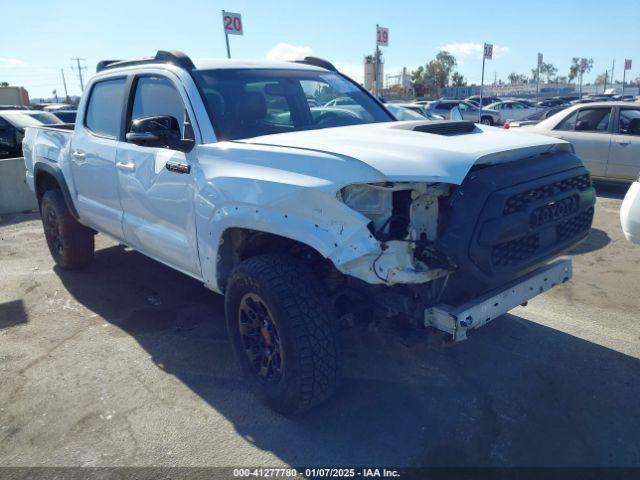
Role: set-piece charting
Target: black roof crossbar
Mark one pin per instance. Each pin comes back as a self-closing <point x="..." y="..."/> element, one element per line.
<point x="318" y="62"/>
<point x="172" y="57"/>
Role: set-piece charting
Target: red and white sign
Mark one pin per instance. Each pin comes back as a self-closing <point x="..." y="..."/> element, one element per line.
<point x="382" y="37"/>
<point x="627" y="64"/>
<point x="488" y="51"/>
<point x="232" y="23"/>
<point x="583" y="64"/>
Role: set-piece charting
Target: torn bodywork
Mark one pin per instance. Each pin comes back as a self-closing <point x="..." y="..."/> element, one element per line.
<point x="403" y="218"/>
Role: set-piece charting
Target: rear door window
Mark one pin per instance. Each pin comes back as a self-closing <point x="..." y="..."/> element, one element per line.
<point x="103" y="114"/>
<point x="629" y="121"/>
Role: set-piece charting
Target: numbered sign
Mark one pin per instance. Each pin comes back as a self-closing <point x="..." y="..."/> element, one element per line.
<point x="627" y="64"/>
<point x="539" y="59"/>
<point x="232" y="23"/>
<point x="583" y="64"/>
<point x="488" y="51"/>
<point x="382" y="37"/>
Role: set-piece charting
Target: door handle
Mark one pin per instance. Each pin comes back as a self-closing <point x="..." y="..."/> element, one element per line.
<point x="624" y="143"/>
<point x="127" y="167"/>
<point x="79" y="155"/>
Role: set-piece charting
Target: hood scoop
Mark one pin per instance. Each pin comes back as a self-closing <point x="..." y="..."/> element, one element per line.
<point x="447" y="128"/>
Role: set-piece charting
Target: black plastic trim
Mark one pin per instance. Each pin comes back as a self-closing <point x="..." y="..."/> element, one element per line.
<point x="476" y="221"/>
<point x="172" y="57"/>
<point x="58" y="175"/>
<point x="317" y="62"/>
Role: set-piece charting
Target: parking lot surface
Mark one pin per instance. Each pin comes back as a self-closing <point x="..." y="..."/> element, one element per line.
<point x="128" y="363"/>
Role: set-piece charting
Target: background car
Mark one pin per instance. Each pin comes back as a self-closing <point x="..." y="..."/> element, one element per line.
<point x="402" y="113"/>
<point x="418" y="108"/>
<point x="339" y="102"/>
<point x="534" y="118"/>
<point x="486" y="100"/>
<point x="59" y="106"/>
<point x="12" y="125"/>
<point x="67" y="116"/>
<point x="551" y="102"/>
<point x="512" y="110"/>
<point x="468" y="110"/>
<point x="605" y="135"/>
<point x="630" y="213"/>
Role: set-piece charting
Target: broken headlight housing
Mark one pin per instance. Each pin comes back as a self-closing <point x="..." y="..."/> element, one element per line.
<point x="373" y="201"/>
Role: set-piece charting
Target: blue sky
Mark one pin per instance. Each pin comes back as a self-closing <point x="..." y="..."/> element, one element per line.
<point x="50" y="32"/>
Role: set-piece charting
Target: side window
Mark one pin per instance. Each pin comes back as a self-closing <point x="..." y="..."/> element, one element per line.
<point x="569" y="123"/>
<point x="593" y="120"/>
<point x="629" y="121"/>
<point x="104" y="110"/>
<point x="157" y="96"/>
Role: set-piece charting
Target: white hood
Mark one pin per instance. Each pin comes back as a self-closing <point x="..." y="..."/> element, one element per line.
<point x="402" y="154"/>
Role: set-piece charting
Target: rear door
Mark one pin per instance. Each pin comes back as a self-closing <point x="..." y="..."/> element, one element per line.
<point x="158" y="203"/>
<point x="93" y="157"/>
<point x="624" y="156"/>
<point x="589" y="130"/>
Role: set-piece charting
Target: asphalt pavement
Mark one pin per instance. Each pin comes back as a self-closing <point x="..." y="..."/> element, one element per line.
<point x="127" y="363"/>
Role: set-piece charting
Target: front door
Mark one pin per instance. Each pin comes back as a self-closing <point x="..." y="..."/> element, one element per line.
<point x="158" y="203"/>
<point x="624" y="157"/>
<point x="589" y="130"/>
<point x="93" y="157"/>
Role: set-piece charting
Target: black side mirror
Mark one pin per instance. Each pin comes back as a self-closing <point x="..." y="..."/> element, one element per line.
<point x="161" y="131"/>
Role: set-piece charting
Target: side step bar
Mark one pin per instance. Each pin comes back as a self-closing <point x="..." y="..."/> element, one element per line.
<point x="480" y="311"/>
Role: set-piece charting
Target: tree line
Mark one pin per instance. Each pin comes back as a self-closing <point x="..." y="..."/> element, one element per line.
<point x="441" y="72"/>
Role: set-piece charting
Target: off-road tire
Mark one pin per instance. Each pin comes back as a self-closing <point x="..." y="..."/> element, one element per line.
<point x="305" y="321"/>
<point x="70" y="243"/>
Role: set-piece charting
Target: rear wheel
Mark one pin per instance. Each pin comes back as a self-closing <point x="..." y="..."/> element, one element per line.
<point x="283" y="331"/>
<point x="486" y="121"/>
<point x="70" y="243"/>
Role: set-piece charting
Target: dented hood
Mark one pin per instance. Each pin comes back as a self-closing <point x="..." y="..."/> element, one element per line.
<point x="401" y="153"/>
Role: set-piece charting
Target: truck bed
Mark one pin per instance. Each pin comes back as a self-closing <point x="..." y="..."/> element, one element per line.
<point x="48" y="144"/>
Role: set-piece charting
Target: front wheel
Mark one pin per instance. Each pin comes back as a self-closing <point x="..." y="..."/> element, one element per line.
<point x="486" y="121"/>
<point x="283" y="331"/>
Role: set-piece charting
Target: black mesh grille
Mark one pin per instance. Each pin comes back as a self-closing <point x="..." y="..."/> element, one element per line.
<point x="574" y="226"/>
<point x="447" y="128"/>
<point x="515" y="251"/>
<point x="519" y="201"/>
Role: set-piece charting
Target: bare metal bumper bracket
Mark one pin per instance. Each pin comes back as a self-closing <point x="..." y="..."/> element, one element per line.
<point x="456" y="320"/>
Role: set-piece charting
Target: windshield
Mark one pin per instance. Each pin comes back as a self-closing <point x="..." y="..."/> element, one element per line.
<point x="245" y="103"/>
<point x="23" y="119"/>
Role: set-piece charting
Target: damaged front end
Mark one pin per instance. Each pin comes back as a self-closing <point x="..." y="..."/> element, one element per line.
<point x="457" y="256"/>
<point x="404" y="219"/>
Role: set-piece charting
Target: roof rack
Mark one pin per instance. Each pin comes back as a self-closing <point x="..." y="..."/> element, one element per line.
<point x="172" y="57"/>
<point x="317" y="62"/>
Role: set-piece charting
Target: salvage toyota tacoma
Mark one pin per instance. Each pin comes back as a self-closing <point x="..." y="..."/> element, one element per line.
<point x="304" y="211"/>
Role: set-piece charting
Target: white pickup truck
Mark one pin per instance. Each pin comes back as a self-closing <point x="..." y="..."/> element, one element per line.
<point x="303" y="214"/>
